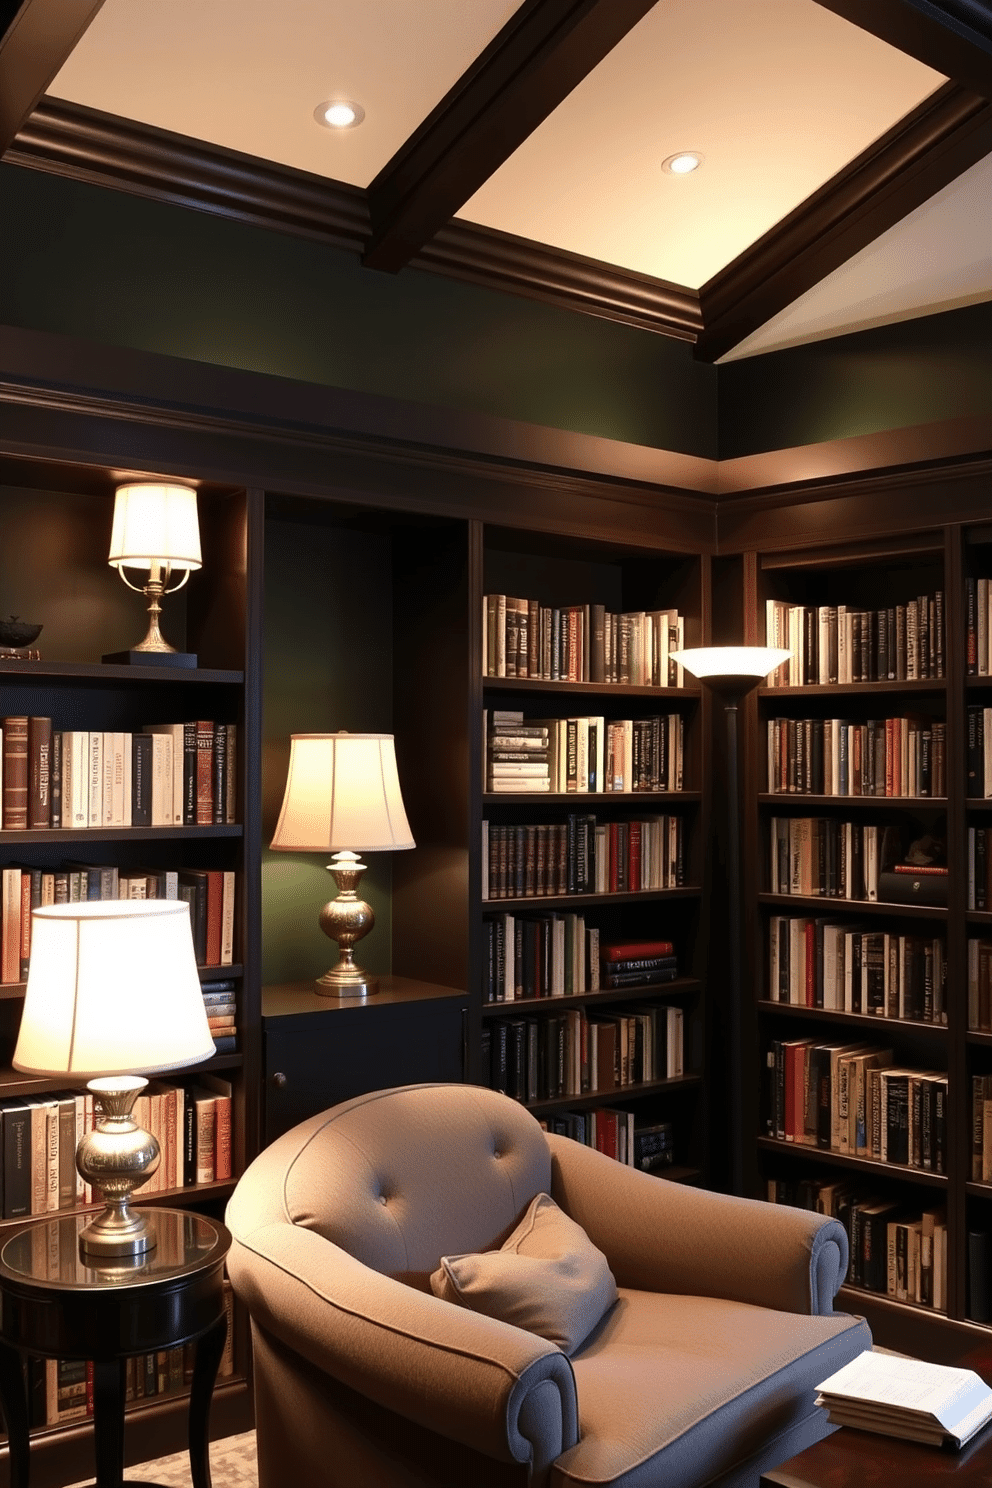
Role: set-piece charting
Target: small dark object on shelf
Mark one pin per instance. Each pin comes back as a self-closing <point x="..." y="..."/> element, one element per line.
<point x="18" y="633"/>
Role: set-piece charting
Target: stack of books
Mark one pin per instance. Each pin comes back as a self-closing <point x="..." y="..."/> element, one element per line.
<point x="518" y="756"/>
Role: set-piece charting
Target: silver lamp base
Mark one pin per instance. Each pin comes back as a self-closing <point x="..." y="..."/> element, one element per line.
<point x="117" y="1157"/>
<point x="346" y="919"/>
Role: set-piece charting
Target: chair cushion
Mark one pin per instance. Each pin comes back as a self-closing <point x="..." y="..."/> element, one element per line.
<point x="547" y="1278"/>
<point x="680" y="1390"/>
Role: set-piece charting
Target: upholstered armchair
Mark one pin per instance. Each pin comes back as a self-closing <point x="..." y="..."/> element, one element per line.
<point x="702" y="1371"/>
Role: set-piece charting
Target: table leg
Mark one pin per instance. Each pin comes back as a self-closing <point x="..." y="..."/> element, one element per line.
<point x="15" y="1415"/>
<point x="208" y="1355"/>
<point x="108" y="1421"/>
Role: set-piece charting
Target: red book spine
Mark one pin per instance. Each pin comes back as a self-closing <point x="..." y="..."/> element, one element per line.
<point x="15" y="774"/>
<point x="215" y="896"/>
<point x="222" y="1138"/>
<point x="204" y="773"/>
<point x="636" y="950"/>
<point x="634" y="856"/>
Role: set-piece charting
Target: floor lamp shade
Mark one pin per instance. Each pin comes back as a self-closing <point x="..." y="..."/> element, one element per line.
<point x="343" y="797"/>
<point x="342" y="794"/>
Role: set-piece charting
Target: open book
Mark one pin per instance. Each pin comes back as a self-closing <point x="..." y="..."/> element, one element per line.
<point x="905" y="1397"/>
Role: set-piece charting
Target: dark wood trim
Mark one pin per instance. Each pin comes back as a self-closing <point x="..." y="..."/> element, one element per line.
<point x="920" y="155"/>
<point x="137" y="411"/>
<point x="84" y="144"/>
<point x="33" y="46"/>
<point x="69" y="140"/>
<point x="498" y="260"/>
<point x="544" y="50"/>
<point x="954" y="38"/>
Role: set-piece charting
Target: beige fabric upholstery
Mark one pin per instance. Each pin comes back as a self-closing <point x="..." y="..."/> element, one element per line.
<point x="703" y="1371"/>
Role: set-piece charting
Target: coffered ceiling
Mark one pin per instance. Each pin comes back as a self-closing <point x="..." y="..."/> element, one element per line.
<point x="845" y="176"/>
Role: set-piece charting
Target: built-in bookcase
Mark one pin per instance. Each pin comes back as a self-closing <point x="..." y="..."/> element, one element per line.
<point x="882" y="763"/>
<point x="578" y="850"/>
<point x="55" y="524"/>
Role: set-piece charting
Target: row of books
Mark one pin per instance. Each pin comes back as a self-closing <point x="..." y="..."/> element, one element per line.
<point x="39" y="1136"/>
<point x="580" y="643"/>
<point x="853" y="1099"/>
<point x="575" y="1053"/>
<point x="978" y="633"/>
<point x="168" y="774"/>
<point x="650" y="1148"/>
<point x="826" y="964"/>
<point x="582" y="755"/>
<point x="62" y="1390"/>
<point x="978" y="784"/>
<point x="981" y="1128"/>
<point x="582" y="856"/>
<point x="559" y="955"/>
<point x="894" y="1250"/>
<point x="826" y="858"/>
<point x="837" y="644"/>
<point x="980" y="985"/>
<point x="835" y="757"/>
<point x="209" y="892"/>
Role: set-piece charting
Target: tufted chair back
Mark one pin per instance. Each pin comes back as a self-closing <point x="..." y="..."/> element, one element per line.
<point x="401" y="1177"/>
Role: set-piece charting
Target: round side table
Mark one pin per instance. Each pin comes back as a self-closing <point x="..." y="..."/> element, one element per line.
<point x="57" y="1303"/>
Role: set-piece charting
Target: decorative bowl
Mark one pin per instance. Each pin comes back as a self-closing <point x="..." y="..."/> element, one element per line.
<point x="17" y="632"/>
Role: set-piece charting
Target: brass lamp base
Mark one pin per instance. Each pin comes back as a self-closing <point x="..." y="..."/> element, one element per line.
<point x="346" y="919"/>
<point x="117" y="1157"/>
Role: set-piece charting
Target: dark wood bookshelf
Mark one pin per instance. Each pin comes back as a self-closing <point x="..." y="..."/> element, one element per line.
<point x="621" y="1095"/>
<point x="802" y="1151"/>
<point x="564" y="901"/>
<point x="803" y="902"/>
<point x="902" y="803"/>
<point x="39" y="836"/>
<point x="848" y="1020"/>
<point x="556" y="1004"/>
<point x="935" y="686"/>
<point x="576" y="798"/>
<point x="103" y="672"/>
<point x="525" y="685"/>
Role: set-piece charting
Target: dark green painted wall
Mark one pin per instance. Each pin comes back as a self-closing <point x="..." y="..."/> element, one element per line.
<point x="891" y="377"/>
<point x="109" y="267"/>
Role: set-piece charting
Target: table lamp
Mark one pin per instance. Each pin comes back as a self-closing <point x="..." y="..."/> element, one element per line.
<point x="732" y="672"/>
<point x="113" y="988"/>
<point x="343" y="796"/>
<point x="155" y="528"/>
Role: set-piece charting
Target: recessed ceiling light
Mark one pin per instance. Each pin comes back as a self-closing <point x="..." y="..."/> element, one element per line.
<point x="339" y="113"/>
<point x="683" y="163"/>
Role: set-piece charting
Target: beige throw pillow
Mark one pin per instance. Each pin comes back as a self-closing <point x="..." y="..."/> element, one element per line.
<point x="548" y="1278"/>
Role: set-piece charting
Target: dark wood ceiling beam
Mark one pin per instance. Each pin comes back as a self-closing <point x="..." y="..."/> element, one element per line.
<point x="69" y="140"/>
<point x="541" y="54"/>
<point x="927" y="150"/>
<point x="36" y="37"/>
<point x="954" y="37"/>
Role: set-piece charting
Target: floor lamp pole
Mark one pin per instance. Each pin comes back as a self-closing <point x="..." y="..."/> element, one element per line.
<point x="734" y="915"/>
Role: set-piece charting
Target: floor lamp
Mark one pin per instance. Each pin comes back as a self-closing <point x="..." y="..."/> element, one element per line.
<point x="732" y="672"/>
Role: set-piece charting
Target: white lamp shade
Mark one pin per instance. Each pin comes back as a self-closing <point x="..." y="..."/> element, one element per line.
<point x="731" y="661"/>
<point x="112" y="989"/>
<point x="342" y="794"/>
<point x="155" y="524"/>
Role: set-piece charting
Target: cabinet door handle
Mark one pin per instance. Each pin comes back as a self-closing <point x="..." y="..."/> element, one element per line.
<point x="279" y="1079"/>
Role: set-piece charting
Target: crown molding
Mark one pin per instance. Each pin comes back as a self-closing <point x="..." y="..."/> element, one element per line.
<point x="67" y="139"/>
<point x="36" y="36"/>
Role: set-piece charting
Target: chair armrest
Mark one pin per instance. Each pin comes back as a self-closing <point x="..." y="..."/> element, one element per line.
<point x="667" y="1237"/>
<point x="484" y="1383"/>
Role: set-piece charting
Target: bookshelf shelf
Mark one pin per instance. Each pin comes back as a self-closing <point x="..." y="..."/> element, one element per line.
<point x="40" y="836"/>
<point x="600" y="798"/>
<point x="97" y="673"/>
<point x="853" y="907"/>
<point x="849" y="1020"/>
<point x="859" y="803"/>
<point x="869" y="1165"/>
<point x="566" y="901"/>
<point x="556" y="1004"/>
<point x="531" y="685"/>
<point x="929" y="686"/>
<point x="618" y="1096"/>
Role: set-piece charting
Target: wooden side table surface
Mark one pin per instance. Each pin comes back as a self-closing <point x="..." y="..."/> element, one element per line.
<point x="57" y="1303"/>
